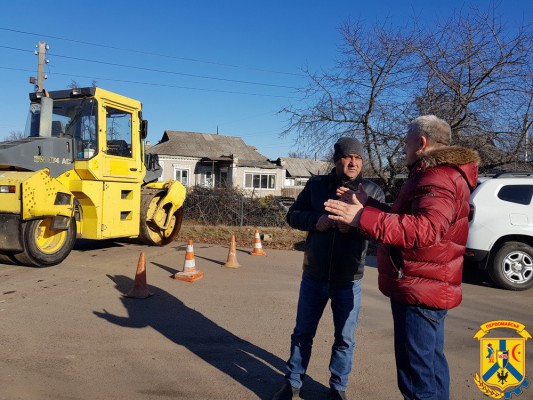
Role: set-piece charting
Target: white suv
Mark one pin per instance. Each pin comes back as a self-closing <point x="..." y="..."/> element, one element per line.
<point x="500" y="239"/>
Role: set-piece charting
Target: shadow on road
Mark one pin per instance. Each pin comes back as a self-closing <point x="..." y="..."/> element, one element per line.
<point x="211" y="260"/>
<point x="249" y="365"/>
<point x="299" y="246"/>
<point x="86" y="245"/>
<point x="474" y="276"/>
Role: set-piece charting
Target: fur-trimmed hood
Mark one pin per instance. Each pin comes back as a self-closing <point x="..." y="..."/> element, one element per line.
<point x="449" y="155"/>
<point x="465" y="160"/>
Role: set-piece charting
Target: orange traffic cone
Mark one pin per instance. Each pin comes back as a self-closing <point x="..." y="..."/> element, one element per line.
<point x="189" y="273"/>
<point x="258" y="248"/>
<point x="232" y="255"/>
<point x="140" y="289"/>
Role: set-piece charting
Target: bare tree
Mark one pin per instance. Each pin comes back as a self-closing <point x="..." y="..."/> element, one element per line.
<point x="299" y="154"/>
<point x="478" y="78"/>
<point x="14" y="135"/>
<point x="468" y="70"/>
<point x="368" y="96"/>
<point x="75" y="85"/>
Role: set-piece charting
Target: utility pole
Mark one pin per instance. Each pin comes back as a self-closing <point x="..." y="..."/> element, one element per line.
<point x="41" y="54"/>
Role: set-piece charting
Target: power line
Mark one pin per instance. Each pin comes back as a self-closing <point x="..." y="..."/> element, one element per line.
<point x="157" y="70"/>
<point x="152" y="84"/>
<point x="152" y="54"/>
<point x="17" y="49"/>
<point x="172" y="72"/>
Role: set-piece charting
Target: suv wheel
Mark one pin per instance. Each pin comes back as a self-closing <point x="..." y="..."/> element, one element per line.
<point x="512" y="266"/>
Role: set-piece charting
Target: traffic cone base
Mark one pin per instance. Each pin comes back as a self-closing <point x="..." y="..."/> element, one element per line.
<point x="258" y="247"/>
<point x="140" y="288"/>
<point x="139" y="293"/>
<point x="189" y="273"/>
<point x="188" y="276"/>
<point x="232" y="255"/>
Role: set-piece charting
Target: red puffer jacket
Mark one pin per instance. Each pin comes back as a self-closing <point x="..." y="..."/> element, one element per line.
<point x="423" y="236"/>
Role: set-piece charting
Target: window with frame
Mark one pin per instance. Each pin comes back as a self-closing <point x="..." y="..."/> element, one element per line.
<point x="71" y="118"/>
<point x="206" y="179"/>
<point x="259" y="181"/>
<point x="520" y="194"/>
<point x="182" y="175"/>
<point x="118" y="132"/>
<point x="300" y="181"/>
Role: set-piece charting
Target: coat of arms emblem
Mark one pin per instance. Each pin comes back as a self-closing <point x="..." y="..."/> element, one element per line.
<point x="502" y="360"/>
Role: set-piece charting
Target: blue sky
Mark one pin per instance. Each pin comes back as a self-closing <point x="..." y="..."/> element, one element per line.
<point x="196" y="65"/>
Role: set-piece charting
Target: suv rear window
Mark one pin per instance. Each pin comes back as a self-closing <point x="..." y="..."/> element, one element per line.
<point x="520" y="194"/>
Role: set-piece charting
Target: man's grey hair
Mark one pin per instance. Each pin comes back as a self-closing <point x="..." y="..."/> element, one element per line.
<point x="436" y="130"/>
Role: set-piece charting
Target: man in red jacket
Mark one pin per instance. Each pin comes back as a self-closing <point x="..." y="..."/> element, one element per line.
<point x="422" y="239"/>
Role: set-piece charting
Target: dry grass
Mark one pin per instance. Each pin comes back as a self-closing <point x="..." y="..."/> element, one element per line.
<point x="282" y="238"/>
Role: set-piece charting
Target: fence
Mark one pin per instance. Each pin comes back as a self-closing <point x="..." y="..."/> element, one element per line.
<point x="229" y="206"/>
<point x="292" y="192"/>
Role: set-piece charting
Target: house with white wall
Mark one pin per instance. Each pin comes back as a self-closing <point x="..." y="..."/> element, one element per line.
<point x="215" y="161"/>
<point x="299" y="170"/>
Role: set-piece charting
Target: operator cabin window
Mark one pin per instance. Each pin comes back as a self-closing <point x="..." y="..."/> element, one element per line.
<point x="182" y="175"/>
<point x="118" y="132"/>
<point x="259" y="181"/>
<point x="76" y="119"/>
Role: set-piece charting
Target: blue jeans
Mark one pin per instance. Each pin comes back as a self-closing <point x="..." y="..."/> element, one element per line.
<point x="345" y="304"/>
<point x="421" y="366"/>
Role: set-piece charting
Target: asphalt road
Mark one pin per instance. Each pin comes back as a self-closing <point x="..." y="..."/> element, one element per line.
<point x="68" y="333"/>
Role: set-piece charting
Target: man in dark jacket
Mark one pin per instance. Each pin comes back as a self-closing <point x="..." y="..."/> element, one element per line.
<point x="333" y="265"/>
<point x="420" y="256"/>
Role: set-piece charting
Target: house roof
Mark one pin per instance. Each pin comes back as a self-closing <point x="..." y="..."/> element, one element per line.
<point x="492" y="156"/>
<point x="484" y="144"/>
<point x="210" y="147"/>
<point x="304" y="168"/>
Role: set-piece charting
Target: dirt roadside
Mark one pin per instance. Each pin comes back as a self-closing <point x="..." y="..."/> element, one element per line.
<point x="272" y="238"/>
